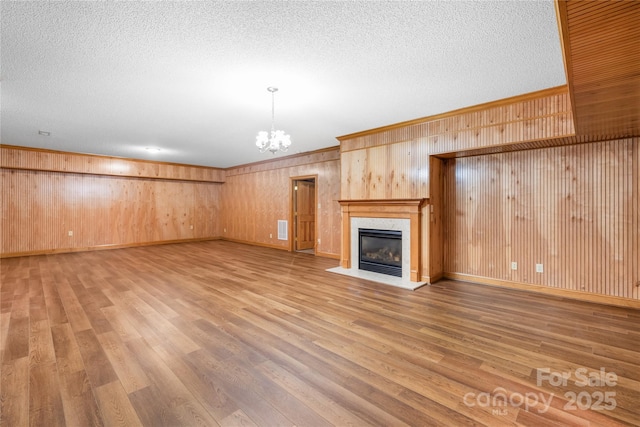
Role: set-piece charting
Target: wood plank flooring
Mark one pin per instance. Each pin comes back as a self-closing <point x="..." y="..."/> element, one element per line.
<point x="220" y="333"/>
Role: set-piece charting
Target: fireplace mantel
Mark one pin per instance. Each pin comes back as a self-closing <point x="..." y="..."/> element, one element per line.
<point x="383" y="208"/>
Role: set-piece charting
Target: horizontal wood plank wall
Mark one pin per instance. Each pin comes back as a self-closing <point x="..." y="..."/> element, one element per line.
<point x="573" y="209"/>
<point x="56" y="161"/>
<point x="39" y="208"/>
<point x="256" y="196"/>
<point x="394" y="163"/>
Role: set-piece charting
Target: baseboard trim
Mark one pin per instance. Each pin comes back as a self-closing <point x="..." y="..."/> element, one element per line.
<point x="432" y="279"/>
<point x="161" y="242"/>
<point x="282" y="248"/>
<point x="328" y="255"/>
<point x="564" y="293"/>
<point x="264" y="245"/>
<point x="103" y="247"/>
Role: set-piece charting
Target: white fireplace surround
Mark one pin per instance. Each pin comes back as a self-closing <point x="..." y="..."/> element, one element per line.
<point x="395" y="224"/>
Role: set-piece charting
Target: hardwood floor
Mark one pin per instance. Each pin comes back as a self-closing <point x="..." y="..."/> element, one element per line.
<point x="219" y="333"/>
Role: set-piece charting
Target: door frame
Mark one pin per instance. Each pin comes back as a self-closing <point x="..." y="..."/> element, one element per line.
<point x="292" y="223"/>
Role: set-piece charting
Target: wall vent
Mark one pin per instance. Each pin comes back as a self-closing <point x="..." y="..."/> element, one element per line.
<point x="283" y="230"/>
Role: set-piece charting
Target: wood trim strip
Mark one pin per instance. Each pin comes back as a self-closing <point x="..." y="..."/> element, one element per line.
<point x="563" y="293"/>
<point x="529" y="145"/>
<point x="100" y="156"/>
<point x="563" y="30"/>
<point x="401" y="205"/>
<point x="247" y="242"/>
<point x="284" y="162"/>
<point x="327" y="255"/>
<point x="508" y="146"/>
<point x="38" y="159"/>
<point x="432" y="279"/>
<point x="103" y="247"/>
<point x="160" y="178"/>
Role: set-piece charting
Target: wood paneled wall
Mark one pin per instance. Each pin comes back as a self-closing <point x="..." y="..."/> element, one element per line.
<point x="40" y="207"/>
<point x="395" y="171"/>
<point x="111" y="202"/>
<point x="573" y="209"/>
<point x="256" y="196"/>
<point x="394" y="162"/>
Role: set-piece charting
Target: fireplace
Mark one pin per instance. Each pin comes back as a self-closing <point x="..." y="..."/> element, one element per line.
<point x="402" y="216"/>
<point x="380" y="251"/>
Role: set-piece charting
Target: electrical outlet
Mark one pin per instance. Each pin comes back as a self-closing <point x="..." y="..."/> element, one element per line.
<point x="319" y="243"/>
<point x="191" y="227"/>
<point x="271" y="235"/>
<point x="225" y="230"/>
<point x="70" y="233"/>
<point x="539" y="268"/>
<point x="514" y="265"/>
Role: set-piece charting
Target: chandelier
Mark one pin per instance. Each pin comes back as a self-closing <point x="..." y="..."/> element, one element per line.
<point x="276" y="140"/>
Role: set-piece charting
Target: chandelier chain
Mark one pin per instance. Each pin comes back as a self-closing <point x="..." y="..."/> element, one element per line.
<point x="276" y="140"/>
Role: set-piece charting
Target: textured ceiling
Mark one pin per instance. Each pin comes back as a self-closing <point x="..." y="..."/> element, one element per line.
<point x="190" y="77"/>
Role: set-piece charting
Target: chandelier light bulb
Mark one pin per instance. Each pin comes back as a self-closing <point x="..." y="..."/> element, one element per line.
<point x="275" y="140"/>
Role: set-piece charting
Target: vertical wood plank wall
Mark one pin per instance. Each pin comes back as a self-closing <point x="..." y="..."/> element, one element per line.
<point x="256" y="196"/>
<point x="573" y="209"/>
<point x="40" y="207"/>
